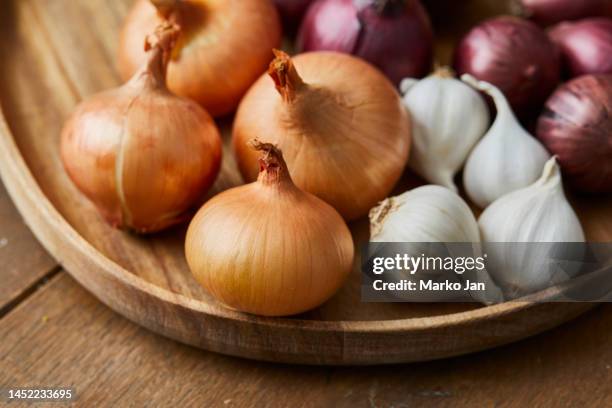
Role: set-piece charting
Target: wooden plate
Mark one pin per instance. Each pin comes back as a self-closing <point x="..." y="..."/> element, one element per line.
<point x="56" y="52"/>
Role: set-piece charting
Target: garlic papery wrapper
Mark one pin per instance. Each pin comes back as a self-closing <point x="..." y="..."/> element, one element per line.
<point x="506" y="159"/>
<point x="425" y="215"/>
<point x="539" y="213"/>
<point x="449" y="117"/>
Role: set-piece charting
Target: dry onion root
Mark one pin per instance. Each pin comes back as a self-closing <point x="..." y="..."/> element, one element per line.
<point x="142" y="155"/>
<point x="224" y="46"/>
<point x="340" y="123"/>
<point x="269" y="248"/>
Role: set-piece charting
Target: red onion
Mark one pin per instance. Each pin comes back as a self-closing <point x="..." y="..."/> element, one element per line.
<point x="576" y="125"/>
<point x="291" y="11"/>
<point x="394" y="35"/>
<point x="586" y="46"/>
<point x="548" y="12"/>
<point x="516" y="56"/>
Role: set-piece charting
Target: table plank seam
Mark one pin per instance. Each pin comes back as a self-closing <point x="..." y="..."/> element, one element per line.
<point x="28" y="291"/>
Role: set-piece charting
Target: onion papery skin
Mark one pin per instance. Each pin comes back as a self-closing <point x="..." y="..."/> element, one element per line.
<point x="516" y="56"/>
<point x="144" y="156"/>
<point x="547" y="12"/>
<point x="269" y="248"/>
<point x="576" y="126"/>
<point x="398" y="41"/>
<point x="585" y="45"/>
<point x="291" y="12"/>
<point x="225" y="46"/>
<point x="345" y="134"/>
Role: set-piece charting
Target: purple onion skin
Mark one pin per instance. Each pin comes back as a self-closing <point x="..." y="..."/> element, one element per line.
<point x="516" y="56"/>
<point x="399" y="40"/>
<point x="291" y="12"/>
<point x="576" y="125"/>
<point x="585" y="45"/>
<point x="547" y="12"/>
<point x="330" y="25"/>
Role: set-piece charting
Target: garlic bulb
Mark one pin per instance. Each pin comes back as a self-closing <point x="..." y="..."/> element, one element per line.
<point x="449" y="117"/>
<point x="506" y="159"/>
<point x="539" y="213"/>
<point x="432" y="214"/>
<point x="425" y="214"/>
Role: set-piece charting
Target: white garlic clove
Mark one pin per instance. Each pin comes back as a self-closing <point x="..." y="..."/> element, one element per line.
<point x="506" y="159"/>
<point x="448" y="118"/>
<point x="539" y="213"/>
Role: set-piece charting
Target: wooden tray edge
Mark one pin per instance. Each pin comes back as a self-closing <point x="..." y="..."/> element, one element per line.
<point x="228" y="332"/>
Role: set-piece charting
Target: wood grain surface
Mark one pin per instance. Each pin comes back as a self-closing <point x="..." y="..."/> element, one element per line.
<point x="62" y="336"/>
<point x="23" y="261"/>
<point x="60" y="51"/>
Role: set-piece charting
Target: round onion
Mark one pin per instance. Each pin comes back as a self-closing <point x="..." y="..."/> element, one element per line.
<point x="548" y="12"/>
<point x="586" y="46"/>
<point x="576" y="125"/>
<point x="224" y="47"/>
<point x="143" y="155"/>
<point x="267" y="247"/>
<point x="516" y="56"/>
<point x="394" y="35"/>
<point x="340" y="123"/>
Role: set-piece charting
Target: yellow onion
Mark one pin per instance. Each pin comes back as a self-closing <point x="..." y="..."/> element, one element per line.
<point x="339" y="122"/>
<point x="141" y="154"/>
<point x="269" y="248"/>
<point x="224" y="47"/>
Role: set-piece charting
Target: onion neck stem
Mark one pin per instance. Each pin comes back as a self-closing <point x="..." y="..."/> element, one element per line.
<point x="272" y="167"/>
<point x="159" y="47"/>
<point x="286" y="78"/>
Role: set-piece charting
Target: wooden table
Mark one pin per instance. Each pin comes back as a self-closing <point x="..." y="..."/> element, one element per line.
<point x="54" y="333"/>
